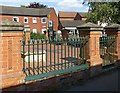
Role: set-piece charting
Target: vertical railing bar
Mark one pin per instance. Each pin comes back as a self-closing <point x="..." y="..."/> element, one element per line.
<point x="50" y="56"/>
<point x="61" y="55"/>
<point x="28" y="57"/>
<point x="58" y="54"/>
<point x="68" y="52"/>
<point x="71" y="51"/>
<point x="65" y="52"/>
<point x="54" y="55"/>
<point x="33" y="56"/>
<point x="83" y="48"/>
<point x="46" y="55"/>
<point x="23" y="45"/>
<point x="75" y="49"/>
<point x="87" y="47"/>
<point x="109" y="51"/>
<point x="106" y="48"/>
<point x="42" y="56"/>
<point x="115" y="40"/>
<point x="112" y="49"/>
<point x="38" y="55"/>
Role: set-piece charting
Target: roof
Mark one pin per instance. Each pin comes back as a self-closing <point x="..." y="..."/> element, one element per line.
<point x="25" y="11"/>
<point x="88" y="25"/>
<point x="113" y="26"/>
<point x="72" y="23"/>
<point x="71" y="14"/>
<point x="67" y="14"/>
<point x="82" y="14"/>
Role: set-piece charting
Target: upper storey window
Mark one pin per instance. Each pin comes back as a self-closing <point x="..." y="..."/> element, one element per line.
<point x="34" y="20"/>
<point x="16" y="19"/>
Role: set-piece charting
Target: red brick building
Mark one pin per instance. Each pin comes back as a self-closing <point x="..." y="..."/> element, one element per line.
<point x="68" y="22"/>
<point x="33" y="19"/>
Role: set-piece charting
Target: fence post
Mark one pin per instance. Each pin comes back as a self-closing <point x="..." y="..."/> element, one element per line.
<point x="11" y="34"/>
<point x="93" y="31"/>
<point x="114" y="30"/>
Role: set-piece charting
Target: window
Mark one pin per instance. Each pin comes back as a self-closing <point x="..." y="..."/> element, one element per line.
<point x="50" y="23"/>
<point x="34" y="30"/>
<point x="43" y="31"/>
<point x="16" y="19"/>
<point x="25" y="20"/>
<point x="34" y="20"/>
<point x="43" y="20"/>
<point x="26" y="28"/>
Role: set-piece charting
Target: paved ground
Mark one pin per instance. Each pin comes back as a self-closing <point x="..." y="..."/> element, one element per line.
<point x="109" y="81"/>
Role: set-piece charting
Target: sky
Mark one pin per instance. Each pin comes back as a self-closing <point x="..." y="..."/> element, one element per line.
<point x="59" y="5"/>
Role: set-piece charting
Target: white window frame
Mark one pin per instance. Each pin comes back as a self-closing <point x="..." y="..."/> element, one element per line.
<point x="16" y="18"/>
<point x="44" y="29"/>
<point x="26" y="28"/>
<point x="24" y="19"/>
<point x="34" y="21"/>
<point x="42" y="20"/>
<point x="34" y="30"/>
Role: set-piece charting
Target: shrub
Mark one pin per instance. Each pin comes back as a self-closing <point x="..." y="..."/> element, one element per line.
<point x="37" y="36"/>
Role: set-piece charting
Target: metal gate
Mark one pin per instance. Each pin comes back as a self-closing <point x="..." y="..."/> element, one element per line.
<point x="43" y="58"/>
<point x="108" y="49"/>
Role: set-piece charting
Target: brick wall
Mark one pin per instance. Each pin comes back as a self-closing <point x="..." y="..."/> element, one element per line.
<point x="11" y="67"/>
<point x="57" y="83"/>
<point x="54" y="17"/>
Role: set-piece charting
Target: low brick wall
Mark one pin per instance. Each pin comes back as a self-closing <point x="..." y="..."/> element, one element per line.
<point x="56" y="83"/>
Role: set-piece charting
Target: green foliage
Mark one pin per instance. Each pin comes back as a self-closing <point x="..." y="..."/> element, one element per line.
<point x="36" y="5"/>
<point x="37" y="36"/>
<point x="104" y="12"/>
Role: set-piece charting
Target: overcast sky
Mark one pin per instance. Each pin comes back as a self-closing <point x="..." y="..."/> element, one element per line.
<point x="59" y="5"/>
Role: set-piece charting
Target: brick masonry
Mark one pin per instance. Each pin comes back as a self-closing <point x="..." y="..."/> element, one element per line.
<point x="56" y="83"/>
<point x="11" y="68"/>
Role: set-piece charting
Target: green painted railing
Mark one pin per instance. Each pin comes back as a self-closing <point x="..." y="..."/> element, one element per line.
<point x="107" y="49"/>
<point x="43" y="58"/>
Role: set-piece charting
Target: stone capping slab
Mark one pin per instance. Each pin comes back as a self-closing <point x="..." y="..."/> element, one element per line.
<point x="7" y="25"/>
<point x="90" y="27"/>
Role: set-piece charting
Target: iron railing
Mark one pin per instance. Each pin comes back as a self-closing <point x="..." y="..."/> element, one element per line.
<point x="43" y="58"/>
<point x="108" y="49"/>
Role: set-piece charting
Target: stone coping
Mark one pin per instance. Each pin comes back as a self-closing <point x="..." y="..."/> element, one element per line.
<point x="7" y="25"/>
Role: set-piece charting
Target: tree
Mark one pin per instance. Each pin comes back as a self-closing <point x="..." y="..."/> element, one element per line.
<point x="36" y="5"/>
<point x="105" y="12"/>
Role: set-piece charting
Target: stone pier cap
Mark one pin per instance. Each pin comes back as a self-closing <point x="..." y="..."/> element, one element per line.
<point x="90" y="26"/>
<point x="8" y="25"/>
